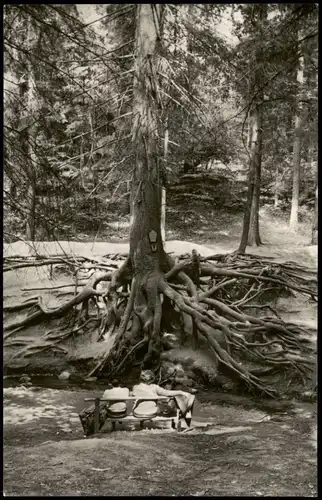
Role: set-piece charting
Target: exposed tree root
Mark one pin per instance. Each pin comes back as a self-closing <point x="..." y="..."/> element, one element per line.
<point x="49" y="340"/>
<point x="215" y="304"/>
<point x="39" y="261"/>
<point x="252" y="274"/>
<point x="20" y="306"/>
<point x="43" y="313"/>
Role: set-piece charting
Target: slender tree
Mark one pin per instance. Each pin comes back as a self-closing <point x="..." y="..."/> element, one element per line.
<point x="251" y="208"/>
<point x="29" y="136"/>
<point x="298" y="131"/>
<point x="250" y="233"/>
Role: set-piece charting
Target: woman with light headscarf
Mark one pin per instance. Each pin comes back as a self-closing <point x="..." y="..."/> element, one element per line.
<point x="146" y="388"/>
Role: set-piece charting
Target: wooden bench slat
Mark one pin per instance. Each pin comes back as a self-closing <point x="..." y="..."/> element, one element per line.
<point x="132" y="417"/>
<point x="130" y="398"/>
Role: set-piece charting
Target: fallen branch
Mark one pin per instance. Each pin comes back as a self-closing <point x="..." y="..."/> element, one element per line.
<point x="36" y="263"/>
<point x="57" y="287"/>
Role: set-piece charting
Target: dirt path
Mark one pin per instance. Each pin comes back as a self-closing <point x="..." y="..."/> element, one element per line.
<point x="229" y="451"/>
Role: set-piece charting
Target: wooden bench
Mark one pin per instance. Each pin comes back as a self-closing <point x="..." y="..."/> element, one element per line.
<point x="176" y="420"/>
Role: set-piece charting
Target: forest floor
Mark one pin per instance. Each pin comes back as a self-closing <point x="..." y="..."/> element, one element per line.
<point x="232" y="449"/>
<point x="219" y="231"/>
<point x="220" y="228"/>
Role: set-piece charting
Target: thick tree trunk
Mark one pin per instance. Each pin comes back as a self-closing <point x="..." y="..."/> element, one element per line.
<point x="146" y="186"/>
<point x="163" y="194"/>
<point x="299" y="122"/>
<point x="314" y="240"/>
<point x="276" y="188"/>
<point x="163" y="211"/>
<point x="146" y="247"/>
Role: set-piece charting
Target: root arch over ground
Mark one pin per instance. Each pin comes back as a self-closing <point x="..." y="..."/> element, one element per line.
<point x="218" y="303"/>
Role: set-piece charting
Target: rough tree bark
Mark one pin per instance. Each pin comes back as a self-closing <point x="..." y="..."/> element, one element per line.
<point x="163" y="193"/>
<point x="146" y="248"/>
<point x="299" y="122"/>
<point x="276" y="187"/>
<point x="314" y="240"/>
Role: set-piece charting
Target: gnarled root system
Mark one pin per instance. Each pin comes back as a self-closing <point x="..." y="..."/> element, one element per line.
<point x="216" y="305"/>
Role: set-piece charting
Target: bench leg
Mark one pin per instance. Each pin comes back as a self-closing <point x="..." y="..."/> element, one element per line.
<point x="97" y="416"/>
<point x="113" y="426"/>
<point x="141" y="424"/>
<point x="177" y="422"/>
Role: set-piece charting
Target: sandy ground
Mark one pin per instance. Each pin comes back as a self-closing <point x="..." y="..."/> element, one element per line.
<point x="229" y="451"/>
<point x="96" y="249"/>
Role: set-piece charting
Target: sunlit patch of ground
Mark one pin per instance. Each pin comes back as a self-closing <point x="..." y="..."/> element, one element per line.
<point x="223" y="230"/>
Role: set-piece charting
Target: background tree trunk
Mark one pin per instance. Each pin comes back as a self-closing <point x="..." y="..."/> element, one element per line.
<point x="253" y="143"/>
<point x="31" y="201"/>
<point x="296" y="175"/>
<point x="299" y="121"/>
<point x="29" y="144"/>
<point x="28" y="136"/>
<point x="250" y="234"/>
<point x="253" y="233"/>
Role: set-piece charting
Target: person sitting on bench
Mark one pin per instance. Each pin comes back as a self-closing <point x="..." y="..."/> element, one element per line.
<point x="146" y="409"/>
<point x="118" y="409"/>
